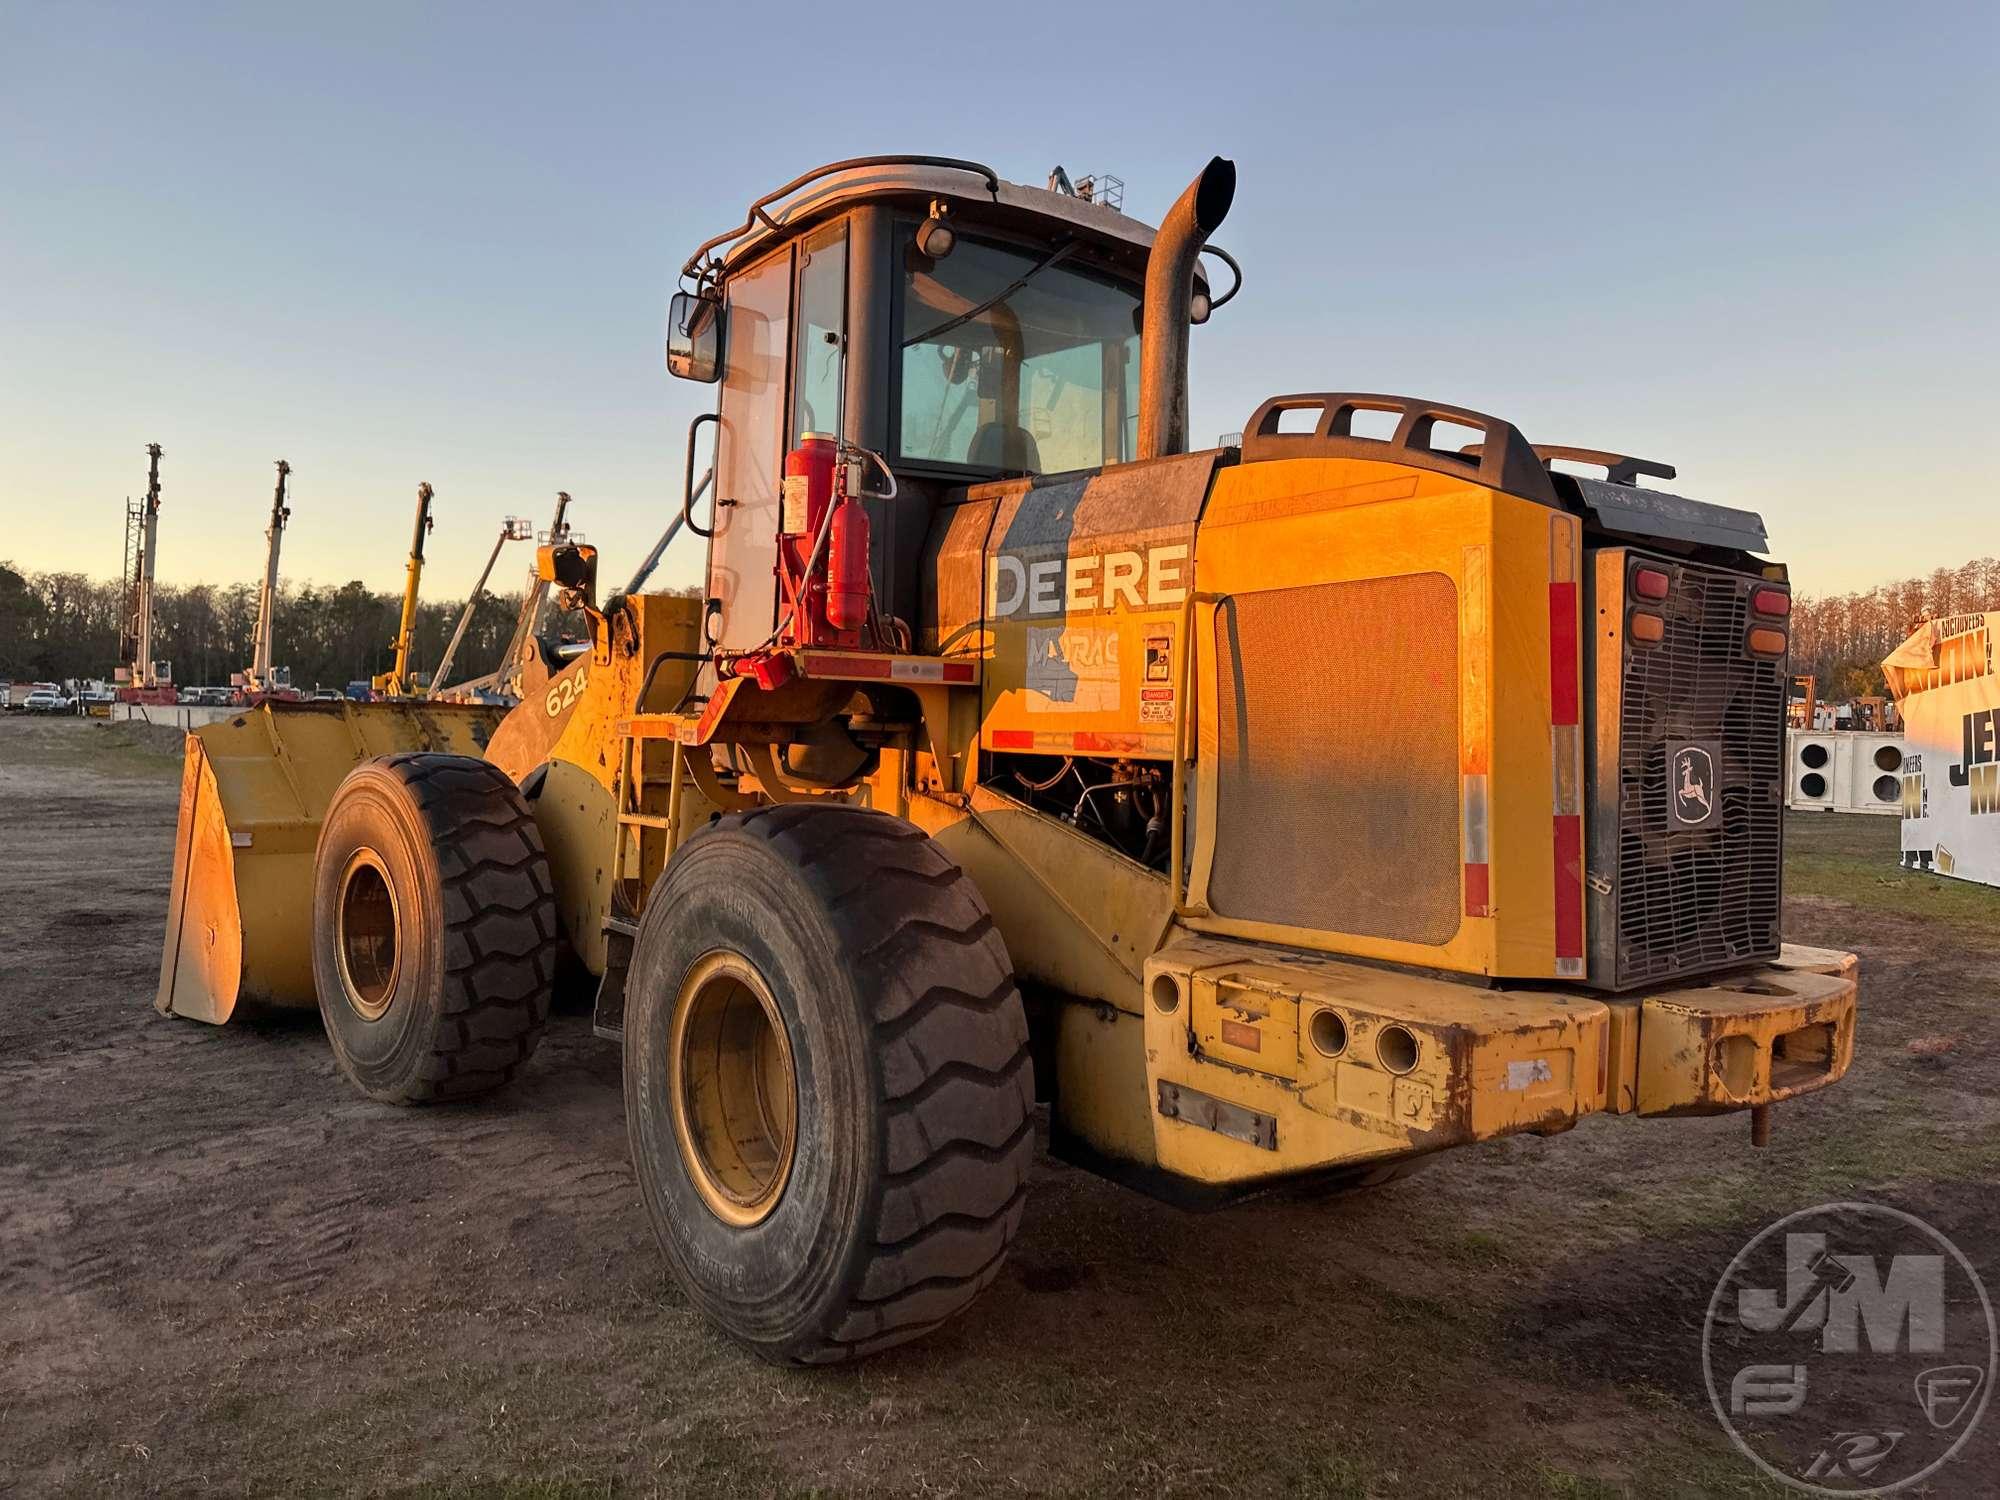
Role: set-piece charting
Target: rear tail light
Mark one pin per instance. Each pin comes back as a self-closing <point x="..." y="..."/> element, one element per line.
<point x="1767" y="642"/>
<point x="1650" y="583"/>
<point x="1771" y="602"/>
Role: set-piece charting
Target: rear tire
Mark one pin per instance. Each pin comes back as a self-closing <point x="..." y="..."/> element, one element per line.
<point x="435" y="937"/>
<point x="827" y="1081"/>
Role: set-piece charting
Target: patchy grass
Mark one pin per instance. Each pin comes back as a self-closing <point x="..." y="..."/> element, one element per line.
<point x="1851" y="857"/>
<point x="108" y="747"/>
<point x="237" y="1276"/>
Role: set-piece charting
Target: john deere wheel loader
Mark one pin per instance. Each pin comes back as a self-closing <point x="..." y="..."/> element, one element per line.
<point x="1277" y="812"/>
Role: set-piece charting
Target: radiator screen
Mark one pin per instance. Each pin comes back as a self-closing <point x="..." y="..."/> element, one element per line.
<point x="1337" y="778"/>
<point x="1690" y="899"/>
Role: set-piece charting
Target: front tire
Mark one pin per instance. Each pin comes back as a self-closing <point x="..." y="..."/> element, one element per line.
<point x="827" y="1081"/>
<point x="435" y="935"/>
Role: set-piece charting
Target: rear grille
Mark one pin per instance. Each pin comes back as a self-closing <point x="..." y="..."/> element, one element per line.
<point x="1683" y="900"/>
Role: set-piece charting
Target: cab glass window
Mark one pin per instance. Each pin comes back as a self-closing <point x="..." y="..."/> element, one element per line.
<point x="1015" y="362"/>
<point x="822" y="323"/>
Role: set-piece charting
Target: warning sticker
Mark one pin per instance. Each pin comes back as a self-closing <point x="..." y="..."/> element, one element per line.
<point x="794" y="499"/>
<point x="1159" y="658"/>
<point x="1156" y="705"/>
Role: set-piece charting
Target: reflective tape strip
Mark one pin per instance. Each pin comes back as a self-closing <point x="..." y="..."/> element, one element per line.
<point x="1565" y="769"/>
<point x="893" y="668"/>
<point x="1565" y="747"/>
<point x="1477" y="841"/>
<point x="1569" y="895"/>
<point x="1479" y="890"/>
<point x="1109" y="744"/>
<point x="1563" y="703"/>
<point x="1478" y="854"/>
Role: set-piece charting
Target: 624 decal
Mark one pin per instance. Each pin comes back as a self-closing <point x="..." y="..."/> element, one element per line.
<point x="564" y="692"/>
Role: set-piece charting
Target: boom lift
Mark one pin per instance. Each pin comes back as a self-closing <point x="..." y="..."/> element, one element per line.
<point x="528" y="660"/>
<point x="398" y="682"/>
<point x="259" y="678"/>
<point x="145" y="683"/>
<point x="1291" y="810"/>
<point x="513" y="529"/>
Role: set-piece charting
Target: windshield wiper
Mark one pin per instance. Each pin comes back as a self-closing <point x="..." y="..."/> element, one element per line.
<point x="1061" y="252"/>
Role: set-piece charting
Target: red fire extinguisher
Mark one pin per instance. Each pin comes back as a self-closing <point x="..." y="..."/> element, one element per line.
<point x="828" y="604"/>
<point x="848" y="584"/>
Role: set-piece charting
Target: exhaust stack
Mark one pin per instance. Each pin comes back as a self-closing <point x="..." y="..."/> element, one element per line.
<point x="1163" y="338"/>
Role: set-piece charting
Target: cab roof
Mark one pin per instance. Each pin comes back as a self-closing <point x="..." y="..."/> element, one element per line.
<point x="984" y="197"/>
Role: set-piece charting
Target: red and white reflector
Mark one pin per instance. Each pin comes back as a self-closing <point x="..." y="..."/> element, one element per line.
<point x="1478" y="839"/>
<point x="1566" y="742"/>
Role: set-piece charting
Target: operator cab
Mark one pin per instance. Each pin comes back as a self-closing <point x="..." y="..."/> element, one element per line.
<point x="963" y="328"/>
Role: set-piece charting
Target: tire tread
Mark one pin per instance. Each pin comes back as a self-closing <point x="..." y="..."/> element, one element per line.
<point x="958" y="1081"/>
<point x="501" y="933"/>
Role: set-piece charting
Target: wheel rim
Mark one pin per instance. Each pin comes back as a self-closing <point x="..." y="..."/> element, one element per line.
<point x="365" y="940"/>
<point x="733" y="1088"/>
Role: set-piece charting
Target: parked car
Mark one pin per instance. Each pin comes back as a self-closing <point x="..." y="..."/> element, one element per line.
<point x="47" y="700"/>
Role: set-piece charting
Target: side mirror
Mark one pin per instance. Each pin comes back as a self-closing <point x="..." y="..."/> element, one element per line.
<point x="570" y="566"/>
<point x="694" y="338"/>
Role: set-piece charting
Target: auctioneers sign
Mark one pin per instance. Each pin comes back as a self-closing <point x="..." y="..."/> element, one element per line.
<point x="1945" y="684"/>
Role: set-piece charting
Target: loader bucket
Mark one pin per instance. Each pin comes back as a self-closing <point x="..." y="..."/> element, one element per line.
<point x="254" y="790"/>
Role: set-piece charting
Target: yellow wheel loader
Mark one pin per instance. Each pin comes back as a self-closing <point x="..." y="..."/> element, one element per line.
<point x="1278" y="812"/>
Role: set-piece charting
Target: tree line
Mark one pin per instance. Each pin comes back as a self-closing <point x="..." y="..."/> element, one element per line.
<point x="1842" y="638"/>
<point x="61" y="626"/>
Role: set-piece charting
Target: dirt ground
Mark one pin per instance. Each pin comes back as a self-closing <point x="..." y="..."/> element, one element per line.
<point x="222" y="1270"/>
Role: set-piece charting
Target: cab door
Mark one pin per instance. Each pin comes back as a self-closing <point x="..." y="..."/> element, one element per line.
<point x="783" y="376"/>
<point x="749" y="455"/>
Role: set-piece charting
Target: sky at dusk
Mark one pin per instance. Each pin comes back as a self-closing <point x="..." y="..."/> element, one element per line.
<point x="399" y="243"/>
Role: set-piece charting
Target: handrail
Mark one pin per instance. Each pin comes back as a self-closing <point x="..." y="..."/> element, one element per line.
<point x="687" y="484"/>
<point x="757" y="213"/>
<point x="1503" y="461"/>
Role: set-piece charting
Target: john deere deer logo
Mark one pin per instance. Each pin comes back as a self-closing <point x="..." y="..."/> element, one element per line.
<point x="1692" y="771"/>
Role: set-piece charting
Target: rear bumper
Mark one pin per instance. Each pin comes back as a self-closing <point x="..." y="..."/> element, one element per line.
<point x="1266" y="1063"/>
<point x="1749" y="1039"/>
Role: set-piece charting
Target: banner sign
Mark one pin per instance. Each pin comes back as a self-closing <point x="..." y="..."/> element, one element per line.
<point x="1949" y="694"/>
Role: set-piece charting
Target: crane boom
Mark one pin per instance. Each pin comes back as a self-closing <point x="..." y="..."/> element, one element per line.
<point x="396" y="681"/>
<point x="267" y="599"/>
<point x="143" y="675"/>
<point x="513" y="529"/>
<point x="506" y="678"/>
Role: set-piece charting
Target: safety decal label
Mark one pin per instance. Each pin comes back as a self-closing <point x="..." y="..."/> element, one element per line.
<point x="1526" y="1073"/>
